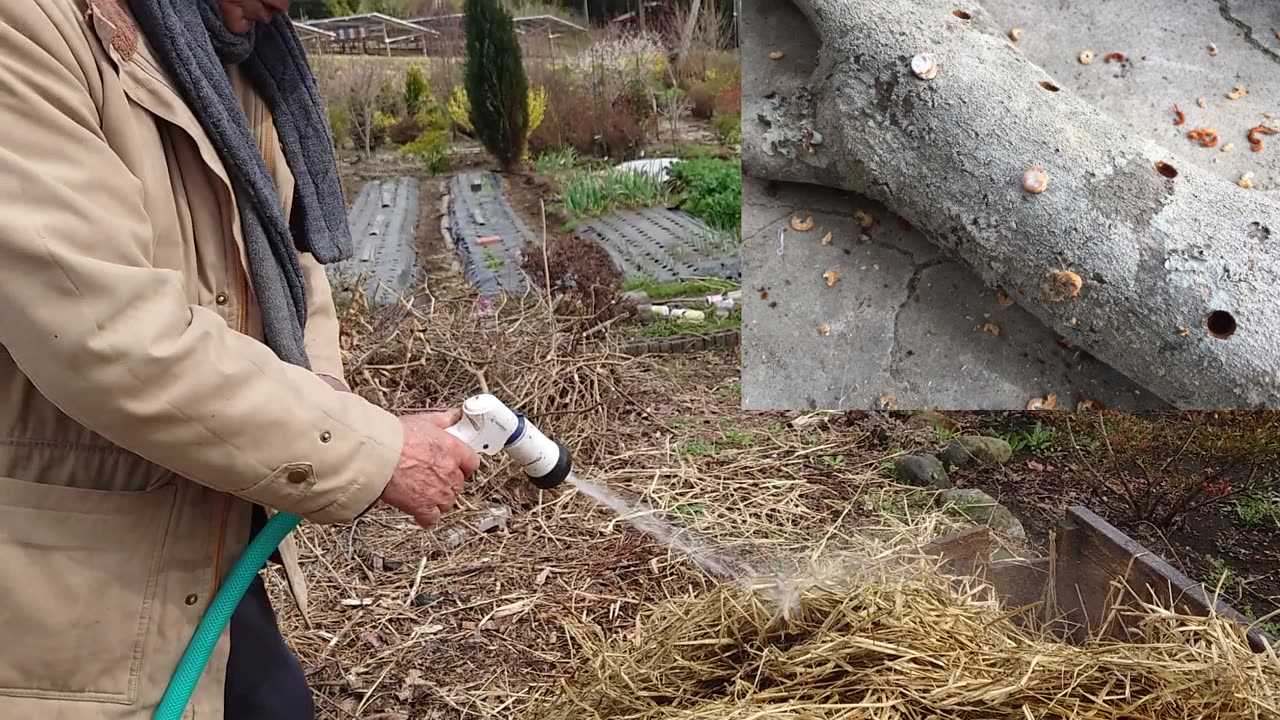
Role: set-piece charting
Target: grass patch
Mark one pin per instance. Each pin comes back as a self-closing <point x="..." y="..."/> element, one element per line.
<point x="596" y="193"/>
<point x="678" y="288"/>
<point x="666" y="329"/>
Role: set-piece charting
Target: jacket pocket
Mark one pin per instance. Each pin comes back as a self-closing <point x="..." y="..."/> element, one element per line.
<point x="78" y="574"/>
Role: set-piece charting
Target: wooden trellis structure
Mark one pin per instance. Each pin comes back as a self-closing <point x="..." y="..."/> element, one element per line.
<point x="373" y="33"/>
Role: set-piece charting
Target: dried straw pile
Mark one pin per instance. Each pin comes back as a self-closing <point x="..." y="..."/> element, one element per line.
<point x="429" y="355"/>
<point x="906" y="643"/>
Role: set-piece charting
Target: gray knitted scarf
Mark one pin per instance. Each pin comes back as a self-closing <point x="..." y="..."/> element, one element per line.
<point x="192" y="41"/>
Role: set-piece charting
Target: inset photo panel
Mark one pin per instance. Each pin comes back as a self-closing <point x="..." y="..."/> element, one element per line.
<point x="1010" y="205"/>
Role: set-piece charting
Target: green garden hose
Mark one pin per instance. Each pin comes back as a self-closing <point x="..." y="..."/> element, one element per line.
<point x="196" y="656"/>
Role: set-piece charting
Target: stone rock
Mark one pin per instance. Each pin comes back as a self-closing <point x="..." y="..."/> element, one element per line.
<point x="982" y="508"/>
<point x="976" y="450"/>
<point x="495" y="519"/>
<point x="928" y="420"/>
<point x="451" y="537"/>
<point x="921" y="471"/>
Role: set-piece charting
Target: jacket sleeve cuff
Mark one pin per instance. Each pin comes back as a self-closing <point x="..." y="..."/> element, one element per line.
<point x="380" y="456"/>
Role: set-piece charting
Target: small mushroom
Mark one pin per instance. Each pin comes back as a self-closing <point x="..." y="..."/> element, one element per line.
<point x="1060" y="285"/>
<point x="1213" y="49"/>
<point x="832" y="276"/>
<point x="1202" y="102"/>
<point x="1207" y="137"/>
<point x="924" y="66"/>
<point x="864" y="219"/>
<point x="801" y="225"/>
<point x="1015" y="34"/>
<point x="824" y="329"/>
<point x="1048" y="402"/>
<point x="1086" y="57"/>
<point x="1255" y="142"/>
<point x="776" y="55"/>
<point x="1238" y="93"/>
<point x="1035" y="179"/>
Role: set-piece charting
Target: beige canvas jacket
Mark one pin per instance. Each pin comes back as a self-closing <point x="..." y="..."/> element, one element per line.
<point x="140" y="415"/>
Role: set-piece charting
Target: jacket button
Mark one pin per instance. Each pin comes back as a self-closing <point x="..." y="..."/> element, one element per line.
<point x="191" y="599"/>
<point x="297" y="475"/>
<point x="221" y="298"/>
<point x="326" y="436"/>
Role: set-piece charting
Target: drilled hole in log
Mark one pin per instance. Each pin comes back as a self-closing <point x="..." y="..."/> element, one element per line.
<point x="1221" y="324"/>
<point x="961" y="14"/>
<point x="1048" y="86"/>
<point x="1166" y="169"/>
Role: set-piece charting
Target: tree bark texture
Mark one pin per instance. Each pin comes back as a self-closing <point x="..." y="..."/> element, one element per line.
<point x="1179" y="271"/>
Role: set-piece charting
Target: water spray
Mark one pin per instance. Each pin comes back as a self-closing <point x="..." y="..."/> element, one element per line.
<point x="488" y="426"/>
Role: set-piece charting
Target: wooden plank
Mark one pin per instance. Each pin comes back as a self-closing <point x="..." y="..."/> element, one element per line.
<point x="963" y="552"/>
<point x="1019" y="581"/>
<point x="1090" y="554"/>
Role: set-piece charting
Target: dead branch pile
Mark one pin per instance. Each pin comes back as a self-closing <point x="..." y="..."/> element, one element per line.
<point x="415" y="359"/>
<point x="909" y="643"/>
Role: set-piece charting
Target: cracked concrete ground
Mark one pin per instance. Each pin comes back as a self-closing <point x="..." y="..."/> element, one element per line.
<point x="905" y="321"/>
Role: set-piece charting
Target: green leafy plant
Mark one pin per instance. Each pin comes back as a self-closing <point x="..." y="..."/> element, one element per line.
<point x="711" y="189"/>
<point x="1256" y="509"/>
<point x="590" y="194"/>
<point x="496" y="86"/>
<point x="1038" y="438"/>
<point x="556" y="160"/>
<point x="491" y="261"/>
<point x="417" y="93"/>
<point x="432" y="148"/>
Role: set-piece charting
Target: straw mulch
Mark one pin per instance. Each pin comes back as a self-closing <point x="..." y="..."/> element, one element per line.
<point x="900" y="640"/>
<point x="560" y="602"/>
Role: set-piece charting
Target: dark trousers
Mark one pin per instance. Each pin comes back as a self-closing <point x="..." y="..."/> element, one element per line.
<point x="265" y="681"/>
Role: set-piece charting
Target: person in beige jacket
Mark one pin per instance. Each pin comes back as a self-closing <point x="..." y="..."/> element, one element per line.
<point x="169" y="360"/>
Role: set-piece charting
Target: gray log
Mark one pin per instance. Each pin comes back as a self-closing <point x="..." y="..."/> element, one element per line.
<point x="1181" y="275"/>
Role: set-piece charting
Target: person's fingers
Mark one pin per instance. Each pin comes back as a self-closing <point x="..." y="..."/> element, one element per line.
<point x="444" y="419"/>
<point x="468" y="460"/>
<point x="280" y="7"/>
<point x="428" y="517"/>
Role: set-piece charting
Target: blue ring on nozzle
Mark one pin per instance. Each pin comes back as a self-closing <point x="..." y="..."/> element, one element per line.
<point x="515" y="434"/>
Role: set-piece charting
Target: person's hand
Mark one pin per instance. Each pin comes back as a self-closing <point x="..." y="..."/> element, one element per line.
<point x="333" y="382"/>
<point x="433" y="466"/>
